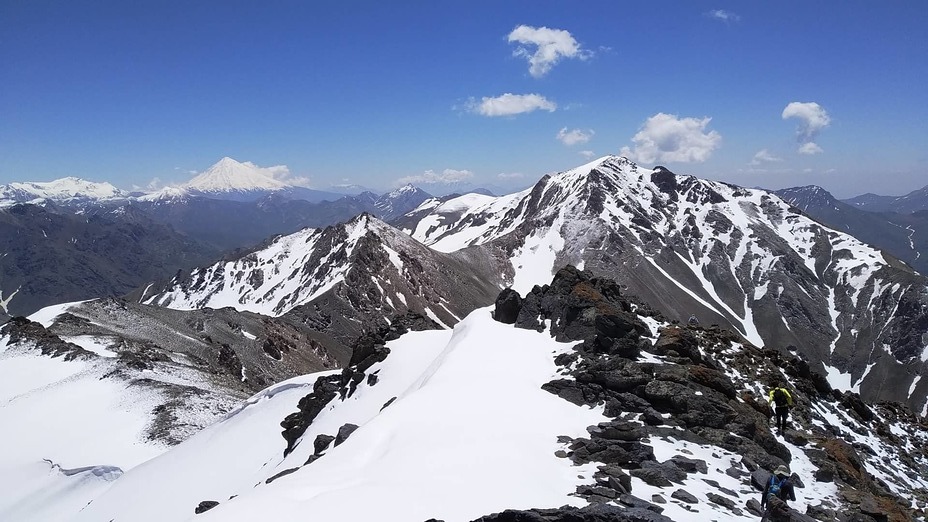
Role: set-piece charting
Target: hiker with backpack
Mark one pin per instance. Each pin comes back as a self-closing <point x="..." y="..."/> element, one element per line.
<point x="778" y="490"/>
<point x="783" y="401"/>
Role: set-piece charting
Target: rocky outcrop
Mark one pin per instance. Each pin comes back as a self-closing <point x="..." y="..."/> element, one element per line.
<point x="20" y="329"/>
<point x="368" y="349"/>
<point x="686" y="391"/>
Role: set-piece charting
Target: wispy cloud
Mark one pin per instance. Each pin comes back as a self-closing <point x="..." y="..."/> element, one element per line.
<point x="510" y="175"/>
<point x="575" y="136"/>
<point x="586" y="153"/>
<point x="430" y="177"/>
<point x="810" y="149"/>
<point x="668" y="138"/>
<point x="764" y="156"/>
<point x="280" y="173"/>
<point x="723" y="15"/>
<point x="511" y="104"/>
<point x="544" y="47"/>
<point x="812" y="119"/>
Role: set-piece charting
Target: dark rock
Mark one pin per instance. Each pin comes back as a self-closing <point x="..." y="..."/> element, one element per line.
<point x="615" y="478"/>
<point x="635" y="502"/>
<point x="735" y="472"/>
<point x="508" y="306"/>
<point x="205" y="506"/>
<point x="616" y="430"/>
<point x="591" y="513"/>
<point x="344" y="432"/>
<point x="720" y="500"/>
<point x="821" y="513"/>
<point x="322" y="442"/>
<point x="796" y="438"/>
<point x="657" y="499"/>
<point x="597" y="490"/>
<point x="281" y="474"/>
<point x="753" y="507"/>
<point x="760" y="478"/>
<point x="325" y="389"/>
<point x="684" y="496"/>
<point x="389" y="402"/>
<point x="651" y="476"/>
<point x="313" y="458"/>
<point x="689" y="465"/>
<point x="869" y="506"/>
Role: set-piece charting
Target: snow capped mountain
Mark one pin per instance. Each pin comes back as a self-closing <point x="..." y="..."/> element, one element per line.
<point x="400" y="201"/>
<point x="66" y="191"/>
<point x="236" y="181"/>
<point x="340" y="279"/>
<point x="733" y="256"/>
<point x="228" y="175"/>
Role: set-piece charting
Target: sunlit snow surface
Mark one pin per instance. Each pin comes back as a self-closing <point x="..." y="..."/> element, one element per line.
<point x="70" y="428"/>
<point x="65" y="412"/>
<point x="471" y="432"/>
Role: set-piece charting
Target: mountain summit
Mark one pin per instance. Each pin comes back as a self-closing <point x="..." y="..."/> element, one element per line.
<point x="737" y="257"/>
<point x="229" y="175"/>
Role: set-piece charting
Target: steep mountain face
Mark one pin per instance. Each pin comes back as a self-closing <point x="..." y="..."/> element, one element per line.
<point x="590" y="407"/>
<point x="737" y="257"/>
<point x="339" y="280"/>
<point x="399" y="202"/>
<point x="904" y="236"/>
<point x="911" y="202"/>
<point x="66" y="191"/>
<point x="53" y="257"/>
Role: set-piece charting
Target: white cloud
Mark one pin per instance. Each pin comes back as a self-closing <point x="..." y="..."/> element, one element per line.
<point x="431" y="177"/>
<point x="723" y="15"/>
<point x="668" y="138"/>
<point x="511" y="104"/>
<point x="586" y="153"/>
<point x="550" y="46"/>
<point x="764" y="156"/>
<point x="510" y="175"/>
<point x="154" y="184"/>
<point x="810" y="149"/>
<point x="812" y="119"/>
<point x="574" y="137"/>
<point x="280" y="173"/>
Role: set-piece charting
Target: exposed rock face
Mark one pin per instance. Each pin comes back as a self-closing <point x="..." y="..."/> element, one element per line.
<point x="21" y="329"/>
<point x="205" y="506"/>
<point x="691" y="395"/>
<point x="54" y="256"/>
<point x="368" y="350"/>
<point x="592" y="513"/>
<point x="740" y="258"/>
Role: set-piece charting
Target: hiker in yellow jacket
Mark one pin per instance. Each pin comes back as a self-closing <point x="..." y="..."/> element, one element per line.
<point x="784" y="401"/>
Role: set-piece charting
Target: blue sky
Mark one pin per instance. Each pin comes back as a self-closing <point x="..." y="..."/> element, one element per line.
<point x="771" y="94"/>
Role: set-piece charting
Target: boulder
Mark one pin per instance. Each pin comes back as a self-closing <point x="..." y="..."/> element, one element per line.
<point x="344" y="432"/>
<point x="508" y="306"/>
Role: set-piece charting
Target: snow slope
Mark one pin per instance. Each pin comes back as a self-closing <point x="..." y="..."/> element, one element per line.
<point x="72" y="426"/>
<point x="228" y="175"/>
<point x="467" y="435"/>
<point x="65" y="190"/>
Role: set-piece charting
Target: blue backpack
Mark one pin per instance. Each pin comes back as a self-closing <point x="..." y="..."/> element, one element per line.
<point x="775" y="486"/>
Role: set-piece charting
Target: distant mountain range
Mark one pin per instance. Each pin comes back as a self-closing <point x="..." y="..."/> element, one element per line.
<point x="567" y="368"/>
<point x="122" y="240"/>
<point x="903" y="235"/>
<point x="911" y="202"/>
